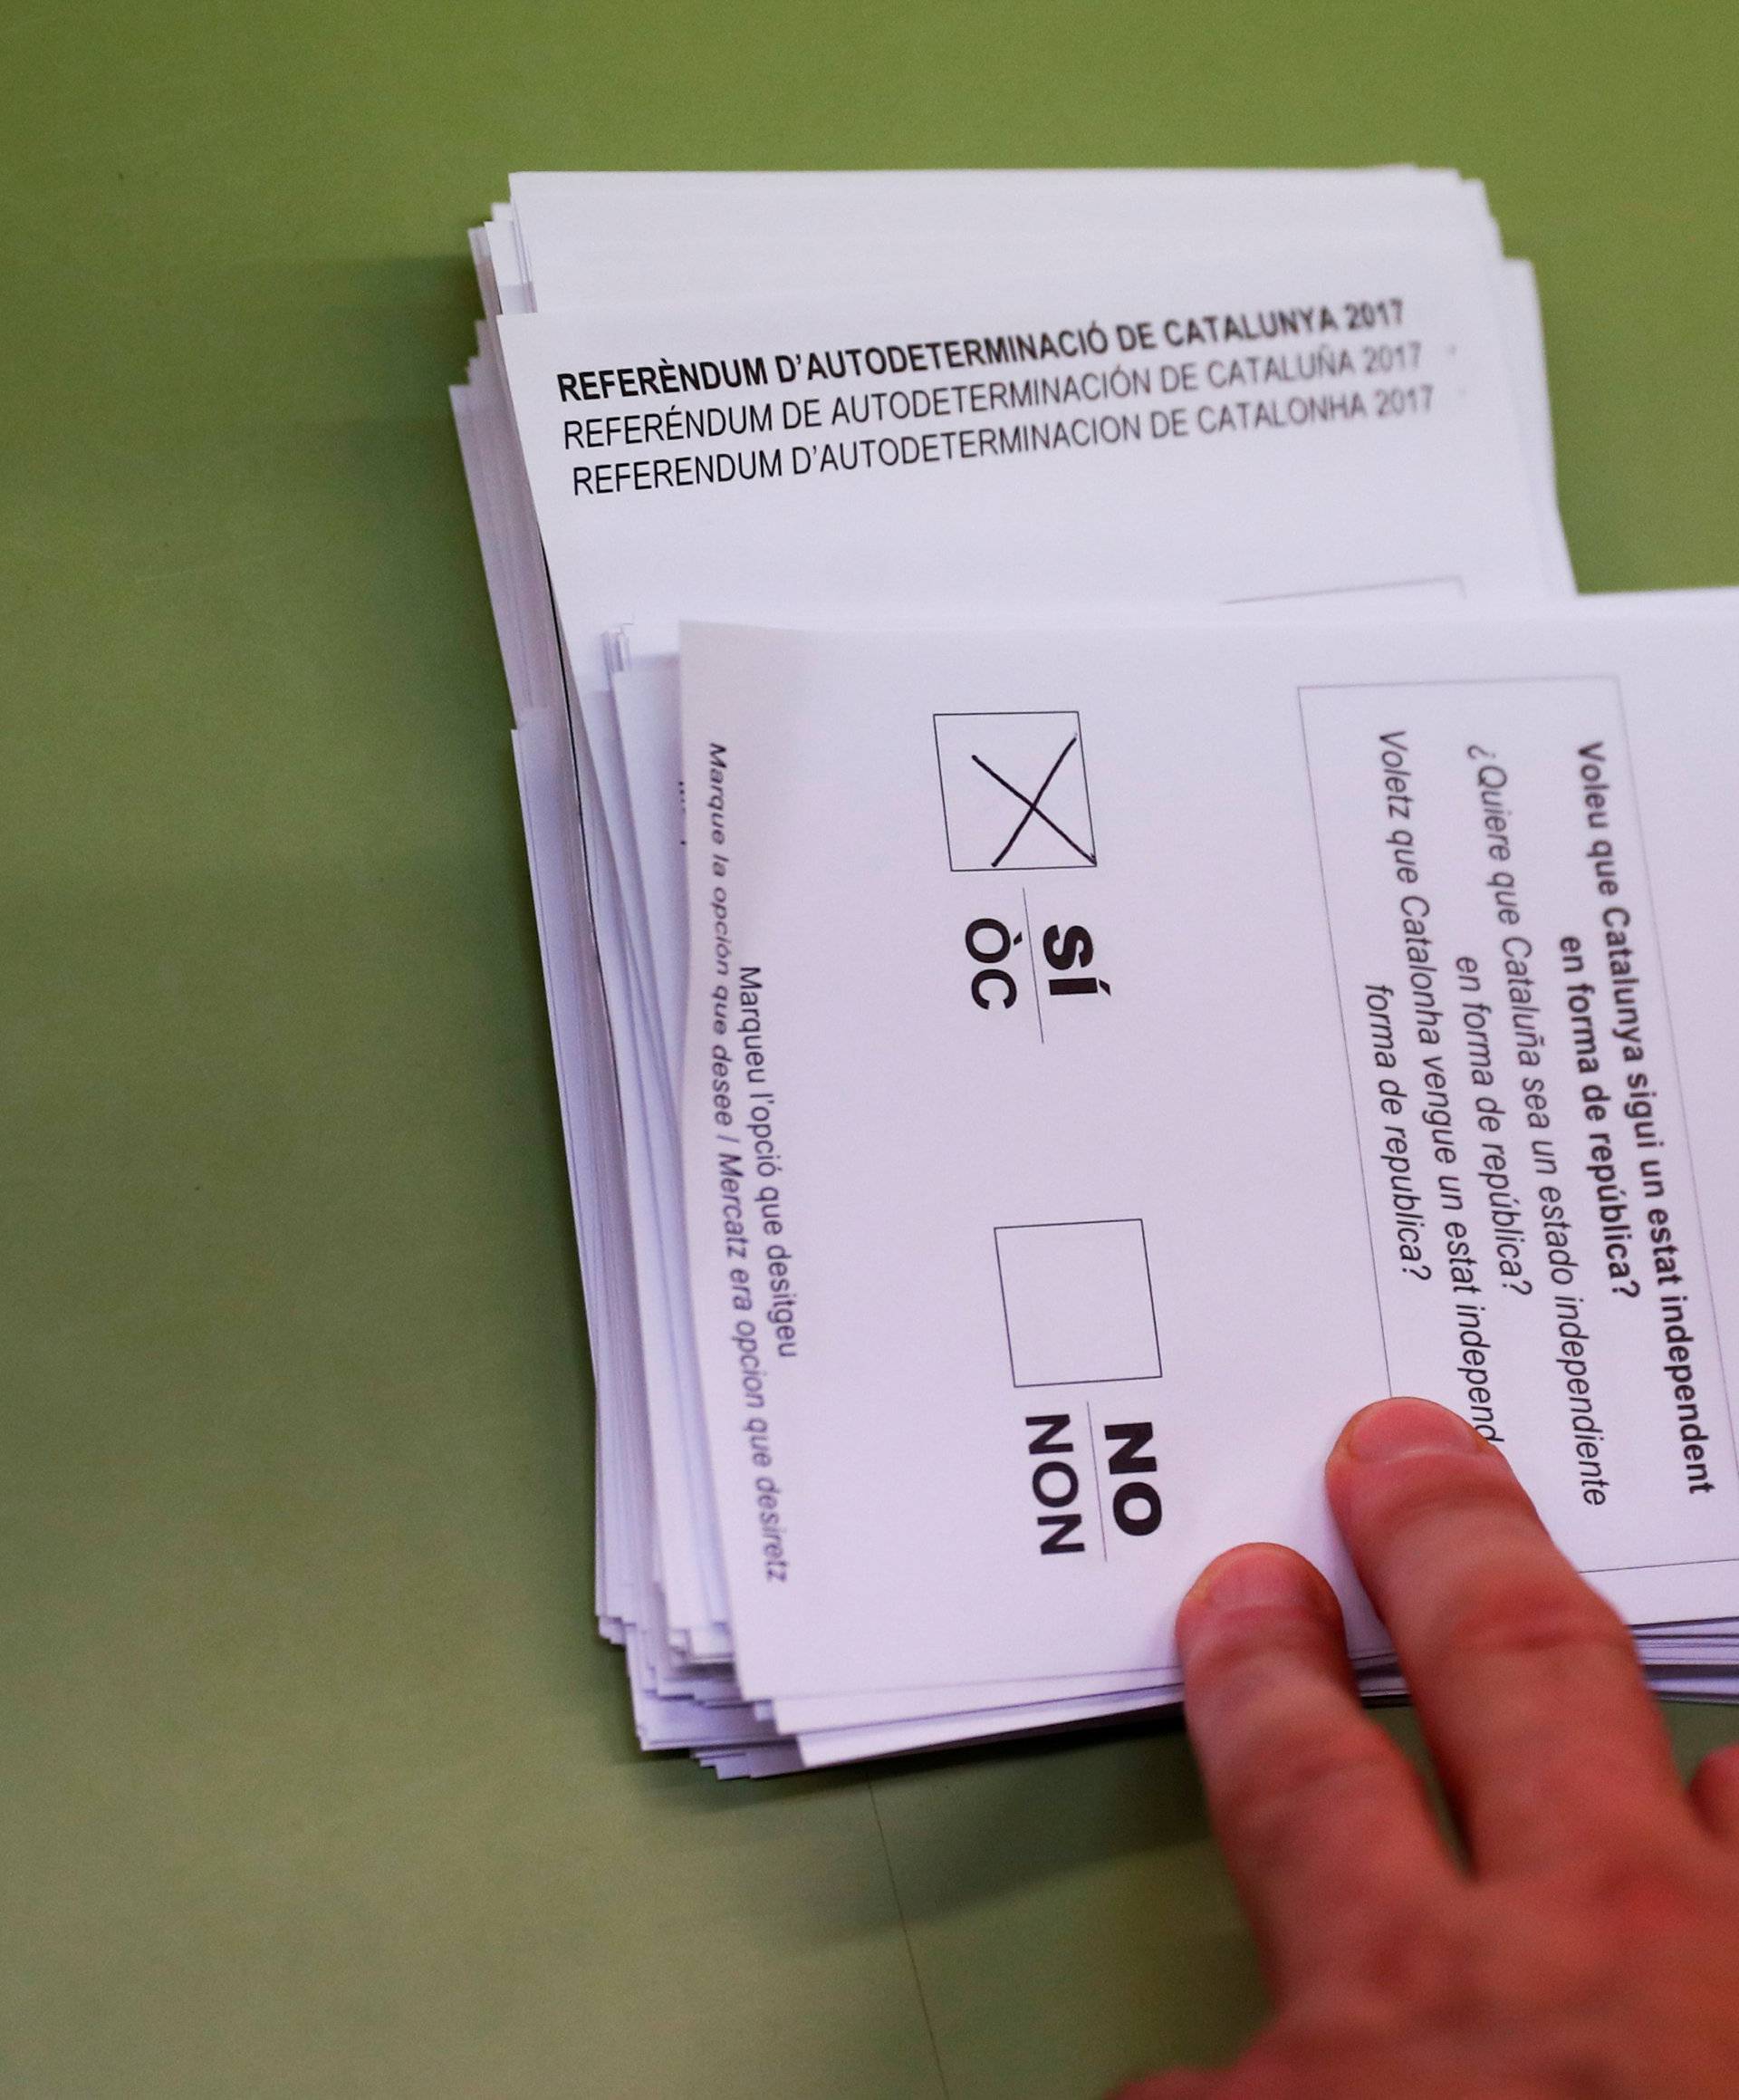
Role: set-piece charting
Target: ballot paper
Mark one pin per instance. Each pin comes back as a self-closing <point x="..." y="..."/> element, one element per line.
<point x="967" y="400"/>
<point x="1108" y="1052"/>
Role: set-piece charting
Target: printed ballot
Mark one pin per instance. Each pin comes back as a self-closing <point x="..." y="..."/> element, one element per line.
<point x="1044" y="1217"/>
<point x="955" y="427"/>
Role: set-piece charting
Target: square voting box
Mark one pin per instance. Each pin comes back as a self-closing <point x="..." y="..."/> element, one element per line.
<point x="1014" y="791"/>
<point x="1078" y="1302"/>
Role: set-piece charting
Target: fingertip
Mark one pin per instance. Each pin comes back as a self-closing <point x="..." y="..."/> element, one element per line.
<point x="1260" y="1578"/>
<point x="1407" y="1454"/>
<point x="1406" y="1427"/>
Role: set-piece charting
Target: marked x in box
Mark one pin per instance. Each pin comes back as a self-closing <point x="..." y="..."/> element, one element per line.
<point x="1014" y="790"/>
<point x="1078" y="1302"/>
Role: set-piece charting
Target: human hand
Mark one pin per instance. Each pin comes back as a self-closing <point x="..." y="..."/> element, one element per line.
<point x="1591" y="1946"/>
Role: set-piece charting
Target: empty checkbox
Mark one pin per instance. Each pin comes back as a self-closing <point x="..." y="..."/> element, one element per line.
<point x="1078" y="1302"/>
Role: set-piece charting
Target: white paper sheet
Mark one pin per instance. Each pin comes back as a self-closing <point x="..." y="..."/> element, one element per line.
<point x="1210" y="829"/>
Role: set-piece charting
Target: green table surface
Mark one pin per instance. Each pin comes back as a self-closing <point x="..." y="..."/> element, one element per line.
<point x="315" y="1780"/>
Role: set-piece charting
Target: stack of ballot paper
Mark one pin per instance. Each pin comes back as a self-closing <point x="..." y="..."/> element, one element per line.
<point x="1102" y="902"/>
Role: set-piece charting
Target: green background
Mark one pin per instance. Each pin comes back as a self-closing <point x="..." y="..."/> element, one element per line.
<point x="315" y="1781"/>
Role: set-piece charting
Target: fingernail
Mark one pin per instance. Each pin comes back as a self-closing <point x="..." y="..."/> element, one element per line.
<point x="1408" y="1428"/>
<point x="1254" y="1578"/>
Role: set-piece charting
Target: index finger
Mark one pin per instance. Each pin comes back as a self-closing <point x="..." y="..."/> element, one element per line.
<point x="1526" y="1682"/>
